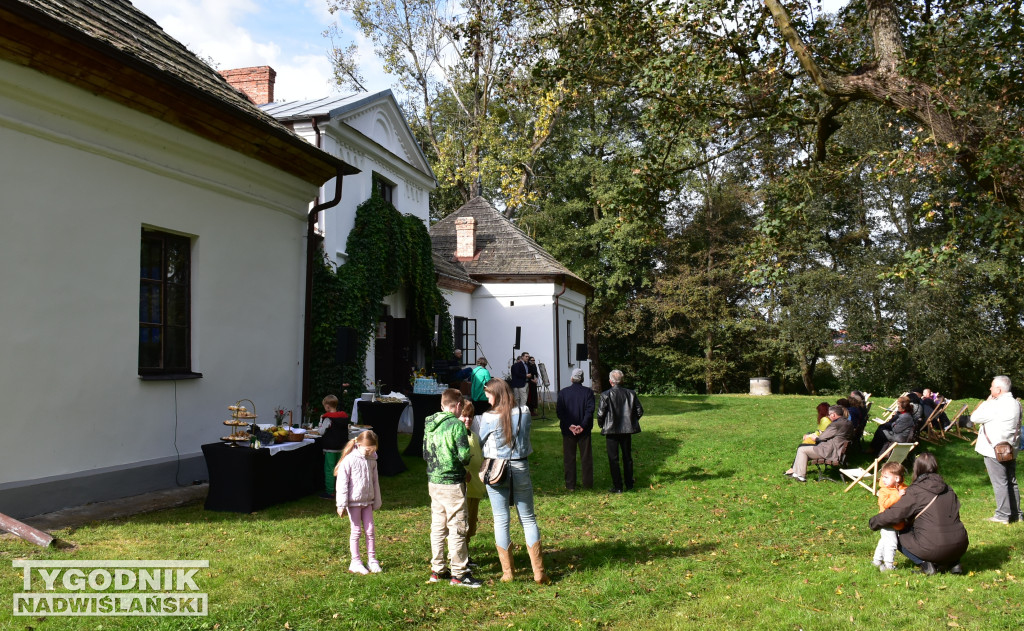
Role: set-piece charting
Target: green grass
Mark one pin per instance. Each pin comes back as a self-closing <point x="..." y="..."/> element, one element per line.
<point x="715" y="538"/>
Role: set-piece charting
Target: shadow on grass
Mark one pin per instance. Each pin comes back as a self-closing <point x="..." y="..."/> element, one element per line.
<point x="619" y="553"/>
<point x="979" y="558"/>
<point x="691" y="474"/>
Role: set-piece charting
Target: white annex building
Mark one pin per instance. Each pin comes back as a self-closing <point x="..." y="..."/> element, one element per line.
<point x="498" y="279"/>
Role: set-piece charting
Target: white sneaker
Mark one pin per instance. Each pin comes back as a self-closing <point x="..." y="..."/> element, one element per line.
<point x="357" y="567"/>
<point x="375" y="567"/>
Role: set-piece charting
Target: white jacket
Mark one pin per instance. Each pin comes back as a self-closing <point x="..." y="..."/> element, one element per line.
<point x="999" y="421"/>
<point x="357" y="481"/>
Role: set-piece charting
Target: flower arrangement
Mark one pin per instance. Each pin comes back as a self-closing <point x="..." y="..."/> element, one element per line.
<point x="279" y="414"/>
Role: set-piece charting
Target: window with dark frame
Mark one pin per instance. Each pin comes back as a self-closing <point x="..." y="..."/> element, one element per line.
<point x="568" y="342"/>
<point x="384" y="188"/>
<point x="465" y="338"/>
<point x="165" y="320"/>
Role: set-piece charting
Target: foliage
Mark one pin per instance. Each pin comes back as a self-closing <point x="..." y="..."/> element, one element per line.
<point x="713" y="538"/>
<point x="386" y="253"/>
<point x="463" y="73"/>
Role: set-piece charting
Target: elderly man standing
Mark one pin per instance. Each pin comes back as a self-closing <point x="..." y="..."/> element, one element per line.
<point x="575" y="411"/>
<point x="998" y="420"/>
<point x="619" y="415"/>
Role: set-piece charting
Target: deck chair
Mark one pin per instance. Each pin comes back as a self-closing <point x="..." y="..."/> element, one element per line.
<point x="896" y="452"/>
<point x="889" y="411"/>
<point x="929" y="432"/>
<point x="823" y="465"/>
<point x="954" y="424"/>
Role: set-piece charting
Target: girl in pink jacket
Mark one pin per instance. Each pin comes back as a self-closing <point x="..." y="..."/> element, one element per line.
<point x="359" y="493"/>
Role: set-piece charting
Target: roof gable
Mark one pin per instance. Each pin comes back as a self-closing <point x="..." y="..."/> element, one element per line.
<point x="376" y="117"/>
<point x="502" y="249"/>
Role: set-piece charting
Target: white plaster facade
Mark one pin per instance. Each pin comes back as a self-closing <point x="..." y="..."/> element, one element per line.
<point x="500" y="307"/>
<point x="370" y="133"/>
<point x="81" y="176"/>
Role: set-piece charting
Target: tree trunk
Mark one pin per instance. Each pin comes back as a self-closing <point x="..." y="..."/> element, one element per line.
<point x="883" y="83"/>
<point x="807" y="373"/>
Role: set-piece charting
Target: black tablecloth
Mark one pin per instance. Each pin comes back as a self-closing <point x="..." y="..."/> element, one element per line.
<point x="244" y="480"/>
<point x="383" y="418"/>
<point x="423" y="405"/>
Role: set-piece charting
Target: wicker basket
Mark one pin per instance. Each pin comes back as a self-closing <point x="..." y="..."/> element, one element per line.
<point x="295" y="438"/>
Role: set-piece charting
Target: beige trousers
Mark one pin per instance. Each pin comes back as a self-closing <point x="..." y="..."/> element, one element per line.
<point x="448" y="520"/>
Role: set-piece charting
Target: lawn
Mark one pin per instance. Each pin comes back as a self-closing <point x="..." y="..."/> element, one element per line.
<point x="714" y="538"/>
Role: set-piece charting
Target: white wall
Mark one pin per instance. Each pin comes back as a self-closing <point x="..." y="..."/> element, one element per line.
<point x="500" y="307"/>
<point x="371" y="154"/>
<point x="80" y="178"/>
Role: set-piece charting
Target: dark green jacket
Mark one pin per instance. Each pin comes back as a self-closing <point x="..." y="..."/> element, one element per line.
<point x="445" y="448"/>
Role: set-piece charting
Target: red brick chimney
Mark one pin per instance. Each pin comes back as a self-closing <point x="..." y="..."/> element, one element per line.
<point x="257" y="82"/>
<point x="465" y="238"/>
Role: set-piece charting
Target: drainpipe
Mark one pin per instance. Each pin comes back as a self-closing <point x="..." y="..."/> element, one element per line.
<point x="558" y="343"/>
<point x="311" y="253"/>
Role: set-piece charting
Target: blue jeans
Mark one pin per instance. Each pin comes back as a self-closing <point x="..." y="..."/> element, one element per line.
<point x="522" y="494"/>
<point x="916" y="560"/>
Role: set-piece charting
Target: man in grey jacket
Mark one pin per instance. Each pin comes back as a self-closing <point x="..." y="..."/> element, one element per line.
<point x="619" y="416"/>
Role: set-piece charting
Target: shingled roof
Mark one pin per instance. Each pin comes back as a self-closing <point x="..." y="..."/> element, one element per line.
<point x="116" y="51"/>
<point x="503" y="251"/>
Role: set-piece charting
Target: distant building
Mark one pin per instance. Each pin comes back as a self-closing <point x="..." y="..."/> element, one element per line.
<point x="496" y="279"/>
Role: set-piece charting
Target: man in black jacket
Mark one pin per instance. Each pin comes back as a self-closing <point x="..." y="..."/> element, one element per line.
<point x="520" y="377"/>
<point x="619" y="415"/>
<point x="575" y="411"/>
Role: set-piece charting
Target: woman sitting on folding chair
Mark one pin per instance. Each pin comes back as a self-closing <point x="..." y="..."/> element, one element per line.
<point x="900" y="429"/>
<point x="934" y="538"/>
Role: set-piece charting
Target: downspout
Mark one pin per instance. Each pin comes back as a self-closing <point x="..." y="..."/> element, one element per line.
<point x="311" y="253"/>
<point x="558" y="343"/>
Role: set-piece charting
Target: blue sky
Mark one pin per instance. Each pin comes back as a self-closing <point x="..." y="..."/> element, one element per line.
<point x="284" y="34"/>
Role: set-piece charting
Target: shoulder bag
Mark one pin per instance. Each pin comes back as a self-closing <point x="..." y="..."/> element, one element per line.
<point x="494" y="471"/>
<point x="1004" y="450"/>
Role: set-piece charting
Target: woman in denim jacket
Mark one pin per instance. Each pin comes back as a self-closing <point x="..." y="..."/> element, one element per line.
<point x="505" y="433"/>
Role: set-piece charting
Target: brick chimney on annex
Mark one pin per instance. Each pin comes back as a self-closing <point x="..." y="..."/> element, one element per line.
<point x="257" y="82"/>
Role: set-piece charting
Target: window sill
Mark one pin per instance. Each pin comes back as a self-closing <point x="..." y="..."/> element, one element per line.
<point x="172" y="376"/>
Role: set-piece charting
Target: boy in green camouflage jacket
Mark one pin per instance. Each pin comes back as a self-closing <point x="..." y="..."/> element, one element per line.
<point x="446" y="450"/>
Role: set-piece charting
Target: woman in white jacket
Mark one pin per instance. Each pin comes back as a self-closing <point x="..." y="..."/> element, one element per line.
<point x="998" y="420"/>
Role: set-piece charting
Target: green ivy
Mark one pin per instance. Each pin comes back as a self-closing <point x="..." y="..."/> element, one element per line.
<point x="387" y="253"/>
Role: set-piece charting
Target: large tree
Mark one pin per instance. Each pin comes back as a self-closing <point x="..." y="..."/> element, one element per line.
<point x="463" y="73"/>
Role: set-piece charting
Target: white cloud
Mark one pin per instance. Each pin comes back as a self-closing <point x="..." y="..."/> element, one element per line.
<point x="212" y="29"/>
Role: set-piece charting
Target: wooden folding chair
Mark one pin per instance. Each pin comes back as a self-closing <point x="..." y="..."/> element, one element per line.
<point x="889" y="411"/>
<point x="954" y="425"/>
<point x="931" y="434"/>
<point x="896" y="452"/>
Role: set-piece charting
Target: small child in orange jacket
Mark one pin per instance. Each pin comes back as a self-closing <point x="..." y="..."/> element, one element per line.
<point x="890" y="490"/>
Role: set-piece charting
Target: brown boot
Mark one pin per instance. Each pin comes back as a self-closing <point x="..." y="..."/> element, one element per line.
<point x="538" y="564"/>
<point x="506" y="563"/>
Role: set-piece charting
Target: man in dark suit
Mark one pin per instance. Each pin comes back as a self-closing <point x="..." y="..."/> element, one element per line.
<point x="619" y="415"/>
<point x="520" y="377"/>
<point x="575" y="411"/>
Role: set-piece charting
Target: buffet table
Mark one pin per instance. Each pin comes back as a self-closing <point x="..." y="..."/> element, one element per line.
<point x="423" y="405"/>
<point x="243" y="480"/>
<point x="383" y="418"/>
